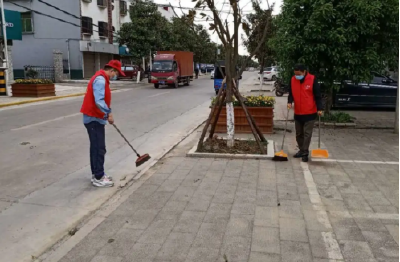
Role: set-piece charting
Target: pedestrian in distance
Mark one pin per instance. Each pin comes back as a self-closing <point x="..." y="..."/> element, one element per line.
<point x="305" y="93"/>
<point x="196" y="71"/>
<point x="96" y="110"/>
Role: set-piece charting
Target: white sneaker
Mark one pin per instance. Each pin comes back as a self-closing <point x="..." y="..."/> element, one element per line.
<point x="103" y="182"/>
<point x="109" y="177"/>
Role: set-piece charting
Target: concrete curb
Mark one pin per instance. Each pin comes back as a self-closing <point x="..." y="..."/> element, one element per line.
<point x="42" y="99"/>
<point x="39" y="100"/>
<point x="270" y="153"/>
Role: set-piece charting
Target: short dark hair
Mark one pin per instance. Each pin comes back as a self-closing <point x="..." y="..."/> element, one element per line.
<point x="300" y="67"/>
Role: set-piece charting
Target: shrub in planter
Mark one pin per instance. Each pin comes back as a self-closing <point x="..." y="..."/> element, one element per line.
<point x="260" y="107"/>
<point x="33" y="88"/>
<point x="337" y="117"/>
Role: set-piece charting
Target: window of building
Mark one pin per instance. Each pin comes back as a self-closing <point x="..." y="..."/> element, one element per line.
<point x="103" y="29"/>
<point x="87" y="25"/>
<point x="27" y="22"/>
<point x="123" y="7"/>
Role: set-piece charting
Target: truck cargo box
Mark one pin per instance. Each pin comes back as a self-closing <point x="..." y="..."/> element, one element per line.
<point x="184" y="59"/>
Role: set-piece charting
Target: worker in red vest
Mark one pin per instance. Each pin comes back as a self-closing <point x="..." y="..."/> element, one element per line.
<point x="305" y="92"/>
<point x="96" y="110"/>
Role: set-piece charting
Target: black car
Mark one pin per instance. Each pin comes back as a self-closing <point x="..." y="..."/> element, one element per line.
<point x="380" y="92"/>
<point x="208" y="69"/>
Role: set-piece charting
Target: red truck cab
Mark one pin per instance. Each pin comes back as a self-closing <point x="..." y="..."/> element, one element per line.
<point x="172" y="68"/>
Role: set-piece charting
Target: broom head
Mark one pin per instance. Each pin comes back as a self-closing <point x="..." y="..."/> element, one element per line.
<point x="280" y="156"/>
<point x="319" y="153"/>
<point x="142" y="159"/>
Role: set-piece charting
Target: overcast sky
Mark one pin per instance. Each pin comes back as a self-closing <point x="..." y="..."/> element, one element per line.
<point x="244" y="4"/>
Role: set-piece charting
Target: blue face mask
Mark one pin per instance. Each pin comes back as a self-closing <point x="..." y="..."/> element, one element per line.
<point x="114" y="78"/>
<point x="299" y="77"/>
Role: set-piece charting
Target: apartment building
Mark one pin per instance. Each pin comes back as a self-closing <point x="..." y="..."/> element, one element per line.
<point x="84" y="33"/>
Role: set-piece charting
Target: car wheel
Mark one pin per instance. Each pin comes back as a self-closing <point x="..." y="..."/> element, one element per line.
<point x="277" y="93"/>
<point x="156" y="85"/>
<point x="273" y="78"/>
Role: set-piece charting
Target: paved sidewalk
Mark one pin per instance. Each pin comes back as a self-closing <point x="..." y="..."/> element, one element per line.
<point x="259" y="211"/>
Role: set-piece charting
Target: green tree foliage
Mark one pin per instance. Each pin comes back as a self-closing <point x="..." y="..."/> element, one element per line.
<point x="338" y="39"/>
<point x="149" y="30"/>
<point x="143" y="33"/>
<point x="258" y="21"/>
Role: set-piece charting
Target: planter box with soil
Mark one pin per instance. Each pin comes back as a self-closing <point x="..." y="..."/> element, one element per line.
<point x="260" y="107"/>
<point x="33" y="88"/>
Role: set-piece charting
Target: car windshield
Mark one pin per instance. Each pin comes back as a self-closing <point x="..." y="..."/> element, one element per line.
<point x="268" y="69"/>
<point x="162" y="66"/>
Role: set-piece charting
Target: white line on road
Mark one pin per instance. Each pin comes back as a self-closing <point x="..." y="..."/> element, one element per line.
<point x="355" y="161"/>
<point x="45" y="122"/>
<point x="331" y="244"/>
<point x="160" y="94"/>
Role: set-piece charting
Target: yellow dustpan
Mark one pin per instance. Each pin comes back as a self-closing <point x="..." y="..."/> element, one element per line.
<point x="319" y="153"/>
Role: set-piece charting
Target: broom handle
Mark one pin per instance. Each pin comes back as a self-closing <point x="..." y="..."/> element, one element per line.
<point x="126" y="140"/>
<point x="284" y="132"/>
<point x="319" y="131"/>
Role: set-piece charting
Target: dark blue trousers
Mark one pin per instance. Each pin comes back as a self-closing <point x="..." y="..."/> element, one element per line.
<point x="97" y="139"/>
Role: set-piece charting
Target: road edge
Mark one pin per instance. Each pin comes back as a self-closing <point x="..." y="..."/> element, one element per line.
<point x="88" y="223"/>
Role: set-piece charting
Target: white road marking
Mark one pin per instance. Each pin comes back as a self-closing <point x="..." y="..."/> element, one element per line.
<point x="160" y="94"/>
<point x="355" y="161"/>
<point x="331" y="244"/>
<point x="47" y="121"/>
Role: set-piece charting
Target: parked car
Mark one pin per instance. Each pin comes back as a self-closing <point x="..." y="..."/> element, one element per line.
<point x="131" y="72"/>
<point x="212" y="74"/>
<point x="380" y="92"/>
<point x="208" y="69"/>
<point x="270" y="73"/>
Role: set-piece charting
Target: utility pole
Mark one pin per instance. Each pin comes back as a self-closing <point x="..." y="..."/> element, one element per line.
<point x="4" y="27"/>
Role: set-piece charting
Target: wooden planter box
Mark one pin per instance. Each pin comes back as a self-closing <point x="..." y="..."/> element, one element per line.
<point x="264" y="117"/>
<point x="33" y="90"/>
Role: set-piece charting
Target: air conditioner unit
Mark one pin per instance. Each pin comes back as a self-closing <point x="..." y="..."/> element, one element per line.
<point x="87" y="1"/>
<point x="102" y="3"/>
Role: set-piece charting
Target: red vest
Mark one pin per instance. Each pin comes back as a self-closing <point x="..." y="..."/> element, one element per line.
<point x="89" y="104"/>
<point x="303" y="96"/>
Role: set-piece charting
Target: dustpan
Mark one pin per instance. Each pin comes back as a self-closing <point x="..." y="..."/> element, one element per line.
<point x="319" y="153"/>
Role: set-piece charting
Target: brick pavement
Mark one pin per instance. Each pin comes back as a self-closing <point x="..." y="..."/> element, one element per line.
<point x="257" y="211"/>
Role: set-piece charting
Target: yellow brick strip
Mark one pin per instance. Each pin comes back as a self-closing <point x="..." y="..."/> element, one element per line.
<point x="42" y="99"/>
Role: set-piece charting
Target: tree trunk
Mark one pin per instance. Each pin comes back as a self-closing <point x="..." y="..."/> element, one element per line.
<point x="220" y="105"/>
<point x="230" y="114"/>
<point x="204" y="132"/>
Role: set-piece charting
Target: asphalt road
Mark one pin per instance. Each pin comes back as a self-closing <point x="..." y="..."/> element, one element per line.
<point x="44" y="157"/>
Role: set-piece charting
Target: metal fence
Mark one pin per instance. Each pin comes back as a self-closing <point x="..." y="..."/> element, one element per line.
<point x="42" y="72"/>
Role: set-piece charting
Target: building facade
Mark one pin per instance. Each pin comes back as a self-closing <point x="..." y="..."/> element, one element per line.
<point x="84" y="33"/>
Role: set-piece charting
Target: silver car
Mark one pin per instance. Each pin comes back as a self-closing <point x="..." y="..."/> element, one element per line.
<point x="212" y="74"/>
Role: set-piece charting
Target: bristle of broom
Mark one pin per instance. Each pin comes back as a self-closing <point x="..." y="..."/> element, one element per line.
<point x="279" y="158"/>
<point x="142" y="159"/>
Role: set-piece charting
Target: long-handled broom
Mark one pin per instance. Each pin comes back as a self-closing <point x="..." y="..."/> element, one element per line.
<point x="141" y="158"/>
<point x="282" y="156"/>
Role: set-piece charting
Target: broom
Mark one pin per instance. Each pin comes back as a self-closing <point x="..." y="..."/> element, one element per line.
<point x="282" y="156"/>
<point x="141" y="158"/>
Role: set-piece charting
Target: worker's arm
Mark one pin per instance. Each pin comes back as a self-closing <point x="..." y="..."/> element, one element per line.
<point x="290" y="97"/>
<point x="317" y="95"/>
<point x="99" y="87"/>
